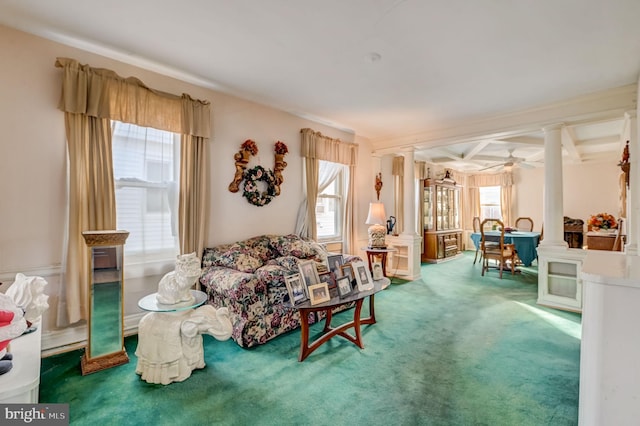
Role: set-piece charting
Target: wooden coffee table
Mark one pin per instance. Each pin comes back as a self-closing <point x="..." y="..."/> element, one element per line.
<point x="328" y="332"/>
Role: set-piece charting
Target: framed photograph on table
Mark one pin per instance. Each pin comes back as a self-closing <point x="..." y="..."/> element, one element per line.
<point x="319" y="293"/>
<point x="335" y="262"/>
<point x="363" y="276"/>
<point x="308" y="272"/>
<point x="347" y="271"/>
<point x="344" y="286"/>
<point x="329" y="278"/>
<point x="376" y="272"/>
<point x="297" y="293"/>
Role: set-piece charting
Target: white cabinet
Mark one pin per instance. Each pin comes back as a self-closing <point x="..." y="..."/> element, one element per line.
<point x="610" y="349"/>
<point x="20" y="385"/>
<point x="404" y="261"/>
<point x="559" y="281"/>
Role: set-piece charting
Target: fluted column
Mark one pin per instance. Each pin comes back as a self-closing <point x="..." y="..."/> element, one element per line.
<point x="553" y="197"/>
<point x="633" y="192"/>
<point x="409" y="200"/>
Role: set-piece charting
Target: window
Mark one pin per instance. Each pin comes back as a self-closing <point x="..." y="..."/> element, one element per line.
<point x="330" y="201"/>
<point x="490" y="203"/>
<point x="146" y="171"/>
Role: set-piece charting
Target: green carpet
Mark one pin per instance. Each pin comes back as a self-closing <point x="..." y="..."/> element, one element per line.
<point x="453" y="349"/>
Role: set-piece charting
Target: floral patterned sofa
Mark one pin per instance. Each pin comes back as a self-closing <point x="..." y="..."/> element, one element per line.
<point x="248" y="278"/>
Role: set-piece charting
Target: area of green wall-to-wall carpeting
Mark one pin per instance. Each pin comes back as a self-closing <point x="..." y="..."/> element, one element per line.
<point x="453" y="348"/>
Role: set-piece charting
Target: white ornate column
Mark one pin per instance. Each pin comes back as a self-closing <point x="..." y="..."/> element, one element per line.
<point x="409" y="199"/>
<point x="633" y="192"/>
<point x="408" y="243"/>
<point x="553" y="213"/>
<point x="559" y="267"/>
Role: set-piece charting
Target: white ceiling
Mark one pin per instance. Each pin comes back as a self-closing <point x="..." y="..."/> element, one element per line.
<point x="387" y="70"/>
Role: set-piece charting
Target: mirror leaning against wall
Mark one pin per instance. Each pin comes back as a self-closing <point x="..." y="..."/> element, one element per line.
<point x="105" y="342"/>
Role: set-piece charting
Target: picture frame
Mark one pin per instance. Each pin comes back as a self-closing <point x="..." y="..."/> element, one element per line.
<point x="376" y="271"/>
<point x="364" y="280"/>
<point x="344" y="286"/>
<point x="335" y="263"/>
<point x="330" y="278"/>
<point x="347" y="271"/>
<point x="319" y="293"/>
<point x="297" y="292"/>
<point x="308" y="273"/>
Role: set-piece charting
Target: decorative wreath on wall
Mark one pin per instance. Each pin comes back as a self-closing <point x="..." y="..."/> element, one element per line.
<point x="251" y="190"/>
<point x="251" y="177"/>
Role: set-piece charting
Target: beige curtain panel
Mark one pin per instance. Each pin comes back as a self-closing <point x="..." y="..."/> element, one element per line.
<point x="91" y="97"/>
<point x="397" y="170"/>
<point x="504" y="181"/>
<point x="315" y="147"/>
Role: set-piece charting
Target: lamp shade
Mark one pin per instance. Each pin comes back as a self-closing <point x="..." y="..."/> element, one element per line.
<point x="376" y="216"/>
<point x="377" y="231"/>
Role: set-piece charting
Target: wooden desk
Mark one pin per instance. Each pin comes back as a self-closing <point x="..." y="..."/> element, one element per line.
<point x="602" y="240"/>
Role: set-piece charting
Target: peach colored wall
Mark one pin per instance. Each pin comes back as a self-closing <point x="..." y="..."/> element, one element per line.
<point x="33" y="160"/>
<point x="587" y="189"/>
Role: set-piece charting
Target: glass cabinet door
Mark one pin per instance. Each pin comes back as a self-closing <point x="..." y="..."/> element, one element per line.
<point x="456" y="209"/>
<point x="428" y="208"/>
<point x="439" y="201"/>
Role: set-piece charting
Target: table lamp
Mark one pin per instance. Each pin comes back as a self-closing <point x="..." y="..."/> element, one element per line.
<point x="377" y="231"/>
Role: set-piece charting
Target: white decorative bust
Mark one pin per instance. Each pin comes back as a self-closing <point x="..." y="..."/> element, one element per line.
<point x="28" y="293"/>
<point x="175" y="286"/>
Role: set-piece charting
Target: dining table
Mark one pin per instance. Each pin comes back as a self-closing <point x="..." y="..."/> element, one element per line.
<point x="525" y="243"/>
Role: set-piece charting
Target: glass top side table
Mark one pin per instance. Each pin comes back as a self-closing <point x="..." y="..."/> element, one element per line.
<point x="150" y="303"/>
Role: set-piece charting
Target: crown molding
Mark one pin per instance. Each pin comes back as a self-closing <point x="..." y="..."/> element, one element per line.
<point x="607" y="104"/>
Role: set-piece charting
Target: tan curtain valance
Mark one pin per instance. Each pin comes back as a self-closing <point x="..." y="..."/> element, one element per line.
<point x="501" y="179"/>
<point x="397" y="167"/>
<point x="420" y="170"/>
<point x="317" y="146"/>
<point x="98" y="92"/>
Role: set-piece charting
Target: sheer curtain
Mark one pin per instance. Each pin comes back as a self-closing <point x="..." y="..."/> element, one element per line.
<point x="91" y="98"/>
<point x="316" y="147"/>
<point x="504" y="181"/>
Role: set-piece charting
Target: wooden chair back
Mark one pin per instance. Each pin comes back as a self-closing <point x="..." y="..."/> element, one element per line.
<point x="493" y="246"/>
<point x="618" y="242"/>
<point x="476" y="224"/>
<point x="524" y="224"/>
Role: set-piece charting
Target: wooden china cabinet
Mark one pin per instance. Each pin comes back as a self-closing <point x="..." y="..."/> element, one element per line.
<point x="441" y="210"/>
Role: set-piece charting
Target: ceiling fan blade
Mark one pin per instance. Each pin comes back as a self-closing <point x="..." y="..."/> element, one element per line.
<point x="491" y="167"/>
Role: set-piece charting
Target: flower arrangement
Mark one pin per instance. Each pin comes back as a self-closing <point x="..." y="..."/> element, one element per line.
<point x="602" y="221"/>
<point x="281" y="148"/>
<point x="250" y="146"/>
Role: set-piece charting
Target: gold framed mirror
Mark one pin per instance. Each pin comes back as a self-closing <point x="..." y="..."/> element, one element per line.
<point x="105" y="341"/>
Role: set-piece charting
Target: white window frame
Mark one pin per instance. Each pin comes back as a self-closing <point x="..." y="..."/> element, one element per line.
<point x="485" y="205"/>
<point x="339" y="199"/>
<point x="151" y="262"/>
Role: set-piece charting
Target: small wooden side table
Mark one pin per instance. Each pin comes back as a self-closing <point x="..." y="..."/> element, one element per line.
<point x="373" y="253"/>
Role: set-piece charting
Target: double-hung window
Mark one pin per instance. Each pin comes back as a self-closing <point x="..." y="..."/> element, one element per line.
<point x="331" y="201"/>
<point x="490" y="207"/>
<point x="146" y="170"/>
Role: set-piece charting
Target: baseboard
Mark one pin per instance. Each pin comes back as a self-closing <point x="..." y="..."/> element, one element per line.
<point x="73" y="338"/>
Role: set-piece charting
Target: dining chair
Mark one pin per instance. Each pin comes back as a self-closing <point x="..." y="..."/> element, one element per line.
<point x="494" y="248"/>
<point x="524" y="224"/>
<point x="618" y="243"/>
<point x="476" y="228"/>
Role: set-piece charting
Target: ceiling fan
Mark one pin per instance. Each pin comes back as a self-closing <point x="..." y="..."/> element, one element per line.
<point x="509" y="162"/>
